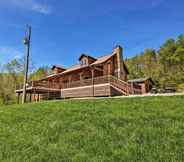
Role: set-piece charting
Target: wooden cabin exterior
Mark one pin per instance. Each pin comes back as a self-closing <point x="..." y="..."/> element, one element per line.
<point x="145" y="83"/>
<point x="103" y="76"/>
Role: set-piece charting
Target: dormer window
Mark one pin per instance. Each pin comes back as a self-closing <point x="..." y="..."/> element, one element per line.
<point x="86" y="60"/>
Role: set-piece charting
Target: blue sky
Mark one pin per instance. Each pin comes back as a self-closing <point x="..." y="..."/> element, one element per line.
<point x="63" y="29"/>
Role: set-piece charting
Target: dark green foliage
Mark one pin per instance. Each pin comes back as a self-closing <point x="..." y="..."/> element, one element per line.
<point x="166" y="66"/>
<point x="131" y="130"/>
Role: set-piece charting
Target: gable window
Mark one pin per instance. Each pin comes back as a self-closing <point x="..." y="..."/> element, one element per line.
<point x="84" y="62"/>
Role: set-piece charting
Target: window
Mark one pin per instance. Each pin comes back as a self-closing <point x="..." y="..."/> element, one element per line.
<point x="84" y="62"/>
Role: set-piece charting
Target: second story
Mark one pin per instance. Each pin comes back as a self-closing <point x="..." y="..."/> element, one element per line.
<point x="111" y="64"/>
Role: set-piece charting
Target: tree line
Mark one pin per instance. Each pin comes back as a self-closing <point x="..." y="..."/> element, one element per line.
<point x="165" y="66"/>
<point x="11" y="78"/>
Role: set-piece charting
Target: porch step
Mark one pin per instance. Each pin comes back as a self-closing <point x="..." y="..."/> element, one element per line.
<point x="119" y="90"/>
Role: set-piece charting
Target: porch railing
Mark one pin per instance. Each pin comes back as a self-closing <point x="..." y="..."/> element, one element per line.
<point x="86" y="82"/>
<point x="121" y="85"/>
<point x="125" y="87"/>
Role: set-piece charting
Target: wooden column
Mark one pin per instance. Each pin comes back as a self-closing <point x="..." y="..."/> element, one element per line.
<point x="30" y="97"/>
<point x="38" y="97"/>
<point x="48" y="90"/>
<point x="93" y="88"/>
<point x="53" y="83"/>
<point x="69" y="80"/>
<point x="80" y="76"/>
<point x="109" y="68"/>
<point x="18" y="98"/>
<point x="34" y="96"/>
<point x="132" y="88"/>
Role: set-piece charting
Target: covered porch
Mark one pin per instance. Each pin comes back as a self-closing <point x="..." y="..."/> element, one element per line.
<point x="96" y="86"/>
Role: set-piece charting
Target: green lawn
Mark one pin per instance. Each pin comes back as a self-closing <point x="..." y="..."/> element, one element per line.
<point x="134" y="129"/>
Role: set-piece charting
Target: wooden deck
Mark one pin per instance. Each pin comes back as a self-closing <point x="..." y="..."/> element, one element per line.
<point x="99" y="86"/>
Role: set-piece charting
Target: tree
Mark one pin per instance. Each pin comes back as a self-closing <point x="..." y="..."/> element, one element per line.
<point x="40" y="73"/>
<point x="143" y="65"/>
<point x="171" y="56"/>
<point x="10" y="77"/>
<point x="164" y="67"/>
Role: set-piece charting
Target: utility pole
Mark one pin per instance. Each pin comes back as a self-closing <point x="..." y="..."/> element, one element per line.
<point x="26" y="62"/>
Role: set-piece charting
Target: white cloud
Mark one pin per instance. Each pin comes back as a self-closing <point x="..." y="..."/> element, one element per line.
<point x="44" y="9"/>
<point x="31" y="5"/>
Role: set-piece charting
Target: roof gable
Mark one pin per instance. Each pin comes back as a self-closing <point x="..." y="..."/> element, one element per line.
<point x="84" y="55"/>
<point x="58" y="67"/>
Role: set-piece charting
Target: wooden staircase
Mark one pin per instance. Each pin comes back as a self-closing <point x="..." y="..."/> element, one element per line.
<point x="123" y="87"/>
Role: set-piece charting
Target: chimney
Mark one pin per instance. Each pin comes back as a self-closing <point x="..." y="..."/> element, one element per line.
<point x="118" y="50"/>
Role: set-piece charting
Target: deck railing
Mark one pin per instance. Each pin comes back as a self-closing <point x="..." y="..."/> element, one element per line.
<point x="86" y="82"/>
<point x="122" y="85"/>
<point x="46" y="84"/>
<point x="125" y="87"/>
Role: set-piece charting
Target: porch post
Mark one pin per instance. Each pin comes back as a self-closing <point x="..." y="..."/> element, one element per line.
<point x="93" y="88"/>
<point x="48" y="89"/>
<point x="69" y="81"/>
<point x="80" y="76"/>
<point x="34" y="96"/>
<point x="18" y="98"/>
<point x="30" y="97"/>
<point x="132" y="87"/>
<point x="37" y="97"/>
<point x="109" y="70"/>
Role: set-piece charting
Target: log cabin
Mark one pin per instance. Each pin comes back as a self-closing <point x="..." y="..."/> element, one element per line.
<point x="91" y="77"/>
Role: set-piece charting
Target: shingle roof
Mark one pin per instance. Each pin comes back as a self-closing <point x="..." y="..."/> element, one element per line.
<point x="98" y="61"/>
<point x="140" y="80"/>
<point x="85" y="55"/>
<point x="72" y="68"/>
<point x="78" y="66"/>
<point x="58" y="66"/>
<point x="101" y="60"/>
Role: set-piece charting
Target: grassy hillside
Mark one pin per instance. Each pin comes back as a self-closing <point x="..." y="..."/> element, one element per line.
<point x="140" y="129"/>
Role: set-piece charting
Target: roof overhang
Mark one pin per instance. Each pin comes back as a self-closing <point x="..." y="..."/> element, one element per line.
<point x="84" y="55"/>
<point x="59" y="67"/>
<point x="141" y="80"/>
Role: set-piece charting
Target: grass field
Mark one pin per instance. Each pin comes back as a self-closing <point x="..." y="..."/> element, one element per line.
<point x="136" y="129"/>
